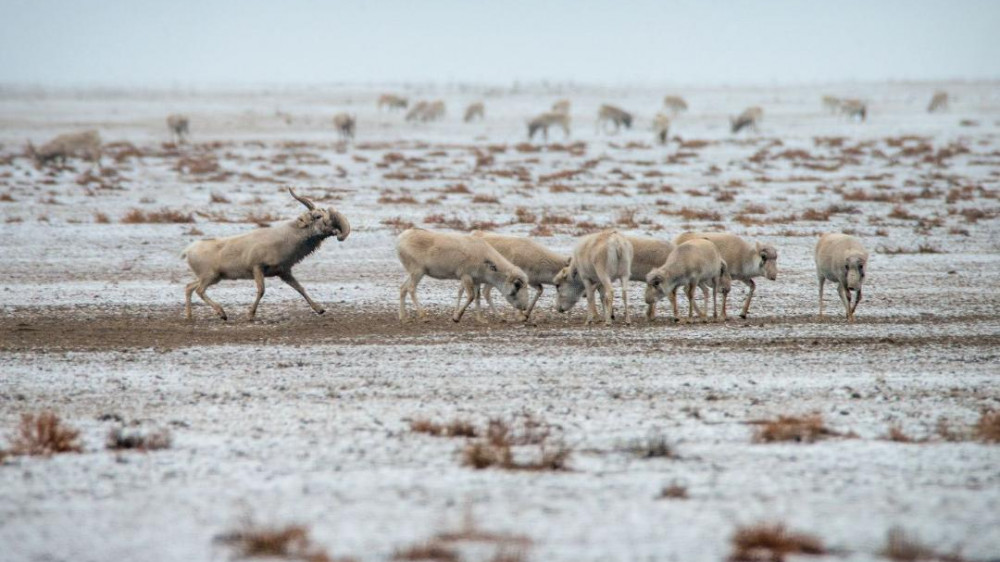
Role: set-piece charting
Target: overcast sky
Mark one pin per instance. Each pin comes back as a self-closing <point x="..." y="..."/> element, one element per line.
<point x="205" y="42"/>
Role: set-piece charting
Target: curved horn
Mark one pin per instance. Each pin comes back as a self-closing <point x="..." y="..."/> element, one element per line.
<point x="344" y="226"/>
<point x="305" y="201"/>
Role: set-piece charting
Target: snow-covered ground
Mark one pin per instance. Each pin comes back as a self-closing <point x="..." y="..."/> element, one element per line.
<point x="304" y="418"/>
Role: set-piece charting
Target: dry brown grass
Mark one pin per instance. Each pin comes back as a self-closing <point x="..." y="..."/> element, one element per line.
<point x="397" y="224"/>
<point x="524" y="216"/>
<point x="497" y="446"/>
<point x="401" y="200"/>
<point x="101" y="218"/>
<point x="217" y="198"/>
<point x="815" y="215"/>
<point x="455" y="428"/>
<point x="542" y="231"/>
<point x="654" y="446"/>
<point x="430" y="550"/>
<point x="456" y="188"/>
<point x="137" y="216"/>
<point x="561" y="188"/>
<point x="120" y="439"/>
<point x="674" y="491"/>
<point x="454" y="223"/>
<point x="44" y="434"/>
<point x="690" y="214"/>
<point x="987" y="429"/>
<point x="489" y="199"/>
<point x="198" y="165"/>
<point x="6" y="198"/>
<point x="896" y="434"/>
<point x="902" y="214"/>
<point x="626" y="218"/>
<point x="922" y="249"/>
<point x="548" y="218"/>
<point x="771" y="542"/>
<point x="290" y="542"/>
<point x="901" y="547"/>
<point x="805" y="429"/>
<point x="260" y="218"/>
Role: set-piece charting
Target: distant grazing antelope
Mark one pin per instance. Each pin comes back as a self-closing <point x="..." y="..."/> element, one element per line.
<point x="939" y="102"/>
<point x="831" y="103"/>
<point x="854" y="109"/>
<point x="750" y="117"/>
<point x="661" y="126"/>
<point x="561" y="106"/>
<point x="425" y="111"/>
<point x="85" y="144"/>
<point x="546" y="120"/>
<point x="178" y="125"/>
<point x="475" y="111"/>
<point x="345" y="125"/>
<point x="675" y="104"/>
<point x="613" y="115"/>
<point x="416" y="113"/>
<point x="392" y="101"/>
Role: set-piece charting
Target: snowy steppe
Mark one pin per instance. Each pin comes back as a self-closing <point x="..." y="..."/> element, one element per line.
<point x="298" y="418"/>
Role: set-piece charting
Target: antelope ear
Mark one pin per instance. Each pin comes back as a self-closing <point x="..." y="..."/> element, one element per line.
<point x="490" y="265"/>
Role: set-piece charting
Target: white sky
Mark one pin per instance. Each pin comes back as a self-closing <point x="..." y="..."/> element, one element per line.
<point x="192" y="43"/>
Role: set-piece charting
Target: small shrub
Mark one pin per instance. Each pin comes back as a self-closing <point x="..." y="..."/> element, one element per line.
<point x="674" y="491"/>
<point x="902" y="548"/>
<point x="496" y="447"/>
<point x="44" y="434"/>
<point x="988" y="427"/>
<point x="897" y="435"/>
<point x="397" y="224"/>
<point x="902" y="214"/>
<point x="815" y="215"/>
<point x="455" y="428"/>
<point x="137" y="216"/>
<point x="654" y="446"/>
<point x="120" y="439"/>
<point x="771" y="542"/>
<point x="556" y="219"/>
<point x="101" y="218"/>
<point x="806" y="429"/>
<point x="290" y="542"/>
<point x="401" y="200"/>
<point x="524" y="216"/>
<point x="542" y="231"/>
<point x="6" y="198"/>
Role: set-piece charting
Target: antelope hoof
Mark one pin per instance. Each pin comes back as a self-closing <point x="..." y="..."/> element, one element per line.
<point x="743" y="315"/>
<point x="320" y="310"/>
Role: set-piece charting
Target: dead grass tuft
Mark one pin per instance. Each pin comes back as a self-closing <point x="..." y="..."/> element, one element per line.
<point x="626" y="218"/>
<point x="397" y="224"/>
<point x="456" y="188"/>
<point x="218" y="198"/>
<point x="902" y="548"/>
<point x="805" y="429"/>
<point x="497" y="446"/>
<point x="101" y="218"/>
<point x="486" y="199"/>
<point x="922" y="249"/>
<point x="654" y="446"/>
<point x="290" y="542"/>
<point x="674" y="491"/>
<point x="455" y="428"/>
<point x="815" y="215"/>
<point x="430" y="550"/>
<point x="556" y="219"/>
<point x="542" y="230"/>
<point x="771" y="542"/>
<point x="988" y="427"/>
<point x="401" y="200"/>
<point x="897" y="435"/>
<point x="44" y="434"/>
<point x="120" y="439"/>
<point x="524" y="216"/>
<point x="902" y="214"/>
<point x="137" y="216"/>
<point x="454" y="223"/>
